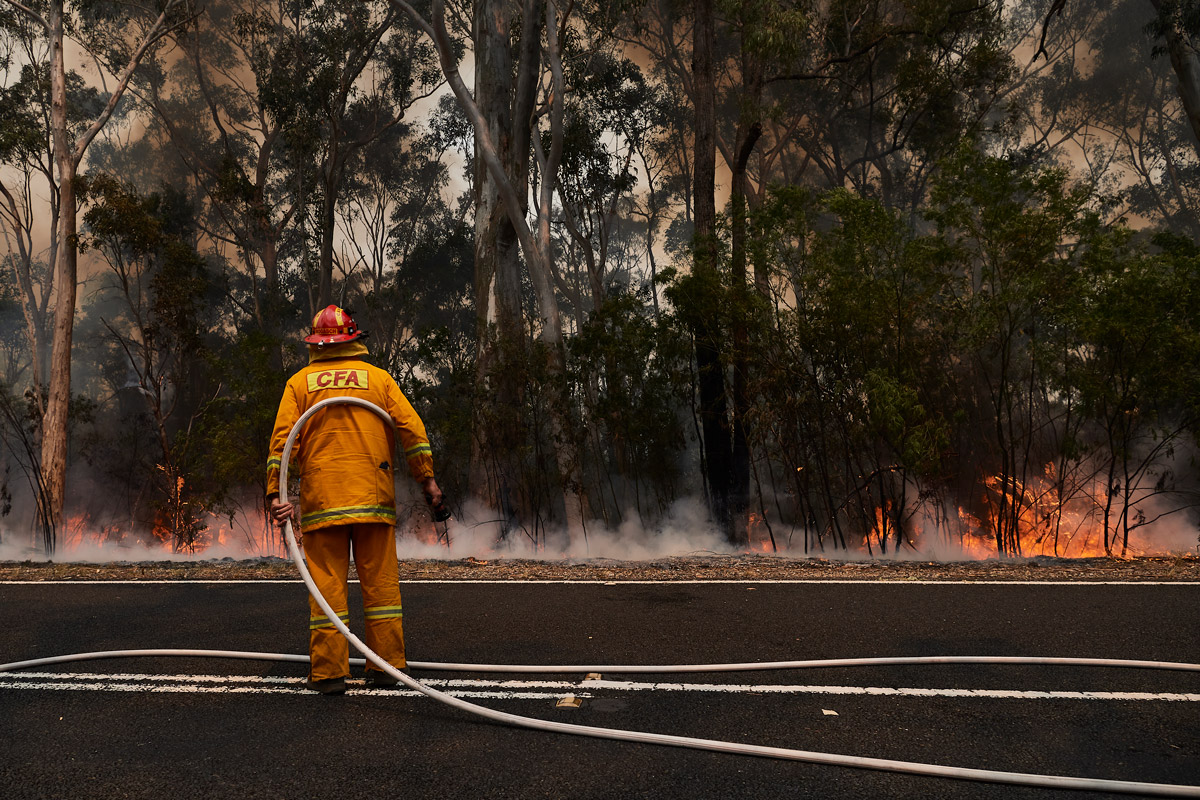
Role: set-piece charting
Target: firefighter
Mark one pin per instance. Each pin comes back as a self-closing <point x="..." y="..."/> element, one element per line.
<point x="344" y="456"/>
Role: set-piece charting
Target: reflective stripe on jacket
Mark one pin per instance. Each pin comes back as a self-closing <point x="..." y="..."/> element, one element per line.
<point x="344" y="454"/>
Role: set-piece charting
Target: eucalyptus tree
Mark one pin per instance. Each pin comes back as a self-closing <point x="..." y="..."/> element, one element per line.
<point x="853" y="388"/>
<point x="354" y="74"/>
<point x="207" y="103"/>
<point x="1178" y="25"/>
<point x="26" y="155"/>
<point x="150" y="322"/>
<point x="396" y="207"/>
<point x="118" y="36"/>
<point x="1020" y="230"/>
<point x="1114" y="114"/>
<point x="519" y="86"/>
<point x="1137" y="377"/>
<point x="604" y="123"/>
<point x="864" y="95"/>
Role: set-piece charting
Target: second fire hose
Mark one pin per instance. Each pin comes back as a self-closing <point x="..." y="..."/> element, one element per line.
<point x="935" y="770"/>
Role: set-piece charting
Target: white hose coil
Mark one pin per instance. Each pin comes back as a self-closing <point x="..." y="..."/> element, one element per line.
<point x="833" y="759"/>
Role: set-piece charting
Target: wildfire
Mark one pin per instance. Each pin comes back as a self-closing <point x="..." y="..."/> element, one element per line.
<point x="246" y="534"/>
<point x="1035" y="518"/>
<point x="758" y="535"/>
<point x="1041" y="521"/>
<point x="1038" y="515"/>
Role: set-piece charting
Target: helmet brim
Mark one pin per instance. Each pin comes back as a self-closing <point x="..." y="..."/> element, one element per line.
<point x="320" y="339"/>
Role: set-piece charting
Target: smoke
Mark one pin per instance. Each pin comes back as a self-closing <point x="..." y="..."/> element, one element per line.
<point x="684" y="530"/>
<point x="96" y="551"/>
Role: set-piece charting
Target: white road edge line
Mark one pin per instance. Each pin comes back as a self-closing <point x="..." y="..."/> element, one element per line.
<point x="518" y="689"/>
<point x="754" y="581"/>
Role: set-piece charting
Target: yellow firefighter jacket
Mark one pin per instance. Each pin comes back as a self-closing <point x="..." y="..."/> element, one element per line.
<point x="344" y="453"/>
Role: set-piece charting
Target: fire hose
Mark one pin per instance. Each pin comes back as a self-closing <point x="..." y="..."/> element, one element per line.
<point x="832" y="759"/>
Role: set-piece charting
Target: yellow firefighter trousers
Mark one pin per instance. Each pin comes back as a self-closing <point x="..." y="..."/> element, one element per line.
<point x="327" y="552"/>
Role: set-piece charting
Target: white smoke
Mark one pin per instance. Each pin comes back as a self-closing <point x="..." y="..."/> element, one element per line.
<point x="684" y="530"/>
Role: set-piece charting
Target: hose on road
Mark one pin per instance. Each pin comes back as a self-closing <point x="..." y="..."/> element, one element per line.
<point x="832" y="759"/>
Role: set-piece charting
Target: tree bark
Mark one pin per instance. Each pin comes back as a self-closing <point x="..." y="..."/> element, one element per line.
<point x="1186" y="63"/>
<point x="739" y="497"/>
<point x="54" y="424"/>
<point x="749" y="131"/>
<point x="497" y="268"/>
<point x="714" y="419"/>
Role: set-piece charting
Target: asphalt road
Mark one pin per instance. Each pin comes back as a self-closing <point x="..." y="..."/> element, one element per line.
<point x="247" y="729"/>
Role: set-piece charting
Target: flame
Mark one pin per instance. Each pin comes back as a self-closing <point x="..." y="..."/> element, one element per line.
<point x="248" y="534"/>
<point x="1032" y="514"/>
<point x="1034" y="519"/>
<point x="882" y="527"/>
<point x="758" y="535"/>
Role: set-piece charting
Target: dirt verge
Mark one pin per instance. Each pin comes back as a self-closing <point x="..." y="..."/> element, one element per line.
<point x="676" y="568"/>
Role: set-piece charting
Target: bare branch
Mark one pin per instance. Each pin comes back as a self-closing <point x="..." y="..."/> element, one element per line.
<point x="156" y="32"/>
<point x="1056" y="9"/>
<point x="487" y="147"/>
<point x="29" y="12"/>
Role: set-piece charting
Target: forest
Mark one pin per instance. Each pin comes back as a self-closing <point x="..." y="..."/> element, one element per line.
<point x="875" y="277"/>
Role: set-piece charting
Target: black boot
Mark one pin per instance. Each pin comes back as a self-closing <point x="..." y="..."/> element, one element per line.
<point x="327" y="685"/>
<point x="377" y="679"/>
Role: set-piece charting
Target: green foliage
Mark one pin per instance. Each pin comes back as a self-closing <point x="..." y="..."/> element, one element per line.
<point x="853" y="358"/>
<point x="904" y="368"/>
<point x="630" y="373"/>
<point x="20" y="128"/>
<point x="148" y="323"/>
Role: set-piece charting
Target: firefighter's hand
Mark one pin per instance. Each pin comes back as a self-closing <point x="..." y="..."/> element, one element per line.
<point x="281" y="512"/>
<point x="433" y="495"/>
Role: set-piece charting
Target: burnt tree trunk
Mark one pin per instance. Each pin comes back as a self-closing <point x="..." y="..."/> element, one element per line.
<point x="714" y="414"/>
<point x="748" y="133"/>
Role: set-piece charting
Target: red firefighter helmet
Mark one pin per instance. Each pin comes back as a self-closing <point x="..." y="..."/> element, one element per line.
<point x="333" y="325"/>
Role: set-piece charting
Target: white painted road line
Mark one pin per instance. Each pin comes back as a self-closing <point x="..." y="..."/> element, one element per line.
<point x="528" y="690"/>
<point x="888" y="691"/>
<point x="747" y="581"/>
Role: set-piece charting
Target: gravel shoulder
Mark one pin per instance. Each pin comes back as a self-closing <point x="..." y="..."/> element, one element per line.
<point x="676" y="568"/>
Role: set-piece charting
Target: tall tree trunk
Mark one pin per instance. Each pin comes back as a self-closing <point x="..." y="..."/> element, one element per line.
<point x="54" y="424"/>
<point x="331" y="176"/>
<point x="566" y="454"/>
<point x="68" y="153"/>
<point x="497" y="286"/>
<point x="739" y="496"/>
<point x="1186" y="63"/>
<point x="749" y="130"/>
<point x="714" y="420"/>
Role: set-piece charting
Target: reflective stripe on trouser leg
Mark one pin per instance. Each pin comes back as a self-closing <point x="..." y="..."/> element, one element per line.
<point x="379" y="574"/>
<point x="327" y="552"/>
